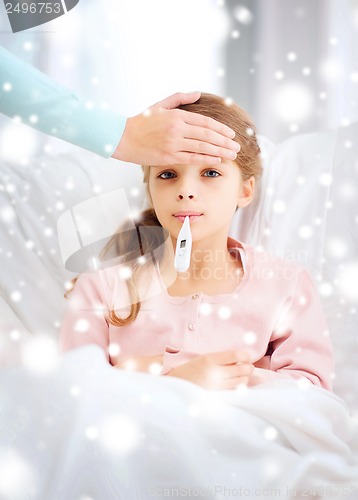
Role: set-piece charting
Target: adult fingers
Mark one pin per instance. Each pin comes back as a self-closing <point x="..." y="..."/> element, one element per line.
<point x="193" y="159"/>
<point x="175" y="100"/>
<point x="205" y="148"/>
<point x="209" y="136"/>
<point x="205" y="122"/>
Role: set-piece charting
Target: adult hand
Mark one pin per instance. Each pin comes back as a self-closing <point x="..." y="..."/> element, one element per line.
<point x="163" y="135"/>
<point x="148" y="364"/>
<point x="217" y="370"/>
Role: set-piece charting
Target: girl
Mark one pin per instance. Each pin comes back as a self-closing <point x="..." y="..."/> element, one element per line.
<point x="237" y="316"/>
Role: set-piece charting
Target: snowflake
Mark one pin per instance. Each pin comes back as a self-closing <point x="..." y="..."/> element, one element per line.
<point x="114" y="349"/>
<point x="326" y="289"/>
<point x="75" y="390"/>
<point x="279" y="207"/>
<point x="337" y="247"/>
<point x="7" y="86"/>
<point x="119" y="434"/>
<point x="354" y="77"/>
<point x="305" y="232"/>
<point x="8" y="214"/>
<point x="16" y="296"/>
<point x="155" y="368"/>
<point x="81" y="325"/>
<point x="250" y="338"/>
<point x="325" y="179"/>
<point x="243" y="15"/>
<point x="205" y="309"/>
<point x="146" y="398"/>
<point x="15" y="335"/>
<point x="270" y="433"/>
<point x="291" y="56"/>
<point x="17" y="477"/>
<point x="34" y="119"/>
<point x="331" y="69"/>
<point x="91" y="432"/>
<point x="293" y="102"/>
<point x="125" y="273"/>
<point x="40" y="354"/>
<point x="348" y="279"/>
<point x="224" y="312"/>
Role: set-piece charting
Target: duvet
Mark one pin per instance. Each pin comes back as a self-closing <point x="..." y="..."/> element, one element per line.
<point x="87" y="431"/>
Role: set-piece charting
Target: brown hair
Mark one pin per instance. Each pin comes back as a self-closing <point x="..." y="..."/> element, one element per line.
<point x="248" y="160"/>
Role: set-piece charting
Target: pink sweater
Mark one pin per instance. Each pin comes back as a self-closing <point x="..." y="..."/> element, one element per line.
<point x="275" y="314"/>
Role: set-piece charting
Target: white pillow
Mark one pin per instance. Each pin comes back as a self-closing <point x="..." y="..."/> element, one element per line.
<point x="307" y="210"/>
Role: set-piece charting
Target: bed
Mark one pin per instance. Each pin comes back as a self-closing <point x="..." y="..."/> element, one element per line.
<point x="72" y="427"/>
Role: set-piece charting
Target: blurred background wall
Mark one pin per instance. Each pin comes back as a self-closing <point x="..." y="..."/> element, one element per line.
<point x="292" y="64"/>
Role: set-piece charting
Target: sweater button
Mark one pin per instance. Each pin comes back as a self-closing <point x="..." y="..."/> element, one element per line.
<point x="191" y="326"/>
<point x="195" y="296"/>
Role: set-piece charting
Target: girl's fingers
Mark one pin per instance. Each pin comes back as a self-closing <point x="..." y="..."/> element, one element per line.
<point x="238" y="370"/>
<point x="229" y="375"/>
<point x="229" y="357"/>
<point x="233" y="383"/>
<point x="221" y="374"/>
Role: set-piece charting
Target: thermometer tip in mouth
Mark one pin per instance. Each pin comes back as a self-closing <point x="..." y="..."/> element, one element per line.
<point x="183" y="247"/>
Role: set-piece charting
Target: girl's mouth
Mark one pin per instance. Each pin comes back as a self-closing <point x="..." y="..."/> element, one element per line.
<point x="193" y="217"/>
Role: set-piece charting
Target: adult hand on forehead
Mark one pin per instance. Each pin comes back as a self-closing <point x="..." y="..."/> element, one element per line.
<point x="163" y="135"/>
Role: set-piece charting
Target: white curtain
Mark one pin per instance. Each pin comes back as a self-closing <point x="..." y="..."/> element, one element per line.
<point x="294" y="65"/>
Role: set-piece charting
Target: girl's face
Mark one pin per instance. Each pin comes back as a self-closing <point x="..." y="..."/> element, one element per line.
<point x="209" y="195"/>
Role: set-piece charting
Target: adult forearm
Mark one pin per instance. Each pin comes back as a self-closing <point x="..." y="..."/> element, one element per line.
<point x="41" y="103"/>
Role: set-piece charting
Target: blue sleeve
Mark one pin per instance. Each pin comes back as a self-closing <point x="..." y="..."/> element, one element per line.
<point x="41" y="103"/>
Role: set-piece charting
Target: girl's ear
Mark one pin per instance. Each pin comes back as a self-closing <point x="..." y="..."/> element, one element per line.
<point x="247" y="192"/>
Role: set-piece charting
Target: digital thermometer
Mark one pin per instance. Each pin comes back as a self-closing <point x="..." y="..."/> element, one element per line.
<point x="183" y="248"/>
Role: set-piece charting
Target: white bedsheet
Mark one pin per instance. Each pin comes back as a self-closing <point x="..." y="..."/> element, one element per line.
<point x="86" y="430"/>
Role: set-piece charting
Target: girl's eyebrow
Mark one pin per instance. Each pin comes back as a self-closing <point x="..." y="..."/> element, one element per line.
<point x="161" y="166"/>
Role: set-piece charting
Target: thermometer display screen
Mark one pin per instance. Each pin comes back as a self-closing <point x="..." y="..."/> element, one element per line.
<point x="182" y="243"/>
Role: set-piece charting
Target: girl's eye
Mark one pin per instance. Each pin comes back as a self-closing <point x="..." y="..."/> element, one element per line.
<point x="211" y="173"/>
<point x="166" y="175"/>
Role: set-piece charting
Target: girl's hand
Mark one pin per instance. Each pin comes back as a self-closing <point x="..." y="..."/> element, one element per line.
<point x="217" y="370"/>
<point x="148" y="364"/>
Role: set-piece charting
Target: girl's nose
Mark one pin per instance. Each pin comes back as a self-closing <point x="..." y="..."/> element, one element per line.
<point x="183" y="196"/>
<point x="186" y="187"/>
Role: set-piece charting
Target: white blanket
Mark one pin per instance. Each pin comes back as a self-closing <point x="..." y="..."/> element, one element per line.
<point x="85" y="430"/>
